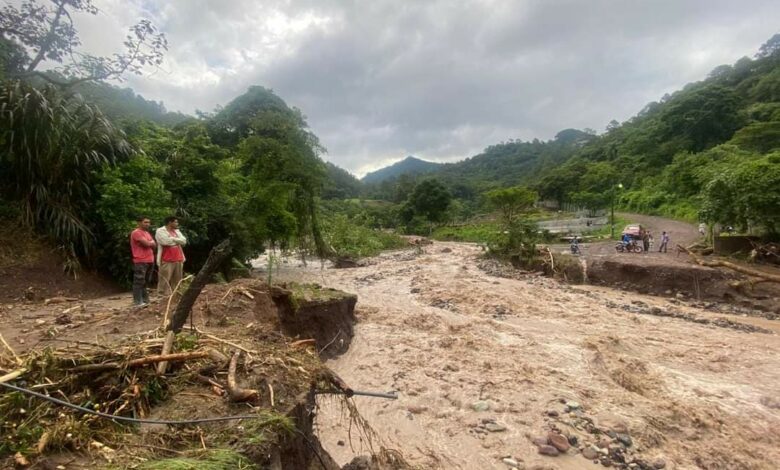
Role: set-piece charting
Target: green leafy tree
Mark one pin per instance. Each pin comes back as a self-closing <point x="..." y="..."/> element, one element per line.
<point x="746" y="195"/>
<point x="511" y="202"/>
<point x="46" y="28"/>
<point x="133" y="188"/>
<point x="429" y="200"/>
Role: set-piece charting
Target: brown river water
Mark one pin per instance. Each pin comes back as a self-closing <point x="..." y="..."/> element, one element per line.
<point x="446" y="335"/>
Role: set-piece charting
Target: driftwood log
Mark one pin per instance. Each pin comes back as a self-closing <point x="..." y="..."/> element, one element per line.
<point x="759" y="276"/>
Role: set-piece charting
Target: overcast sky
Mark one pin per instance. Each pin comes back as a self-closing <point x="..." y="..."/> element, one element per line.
<point x="441" y="80"/>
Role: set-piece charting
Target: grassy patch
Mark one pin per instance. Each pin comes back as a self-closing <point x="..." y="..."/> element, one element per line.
<point x="218" y="459"/>
<point x="349" y="239"/>
<point x="306" y="293"/>
<point x="475" y="233"/>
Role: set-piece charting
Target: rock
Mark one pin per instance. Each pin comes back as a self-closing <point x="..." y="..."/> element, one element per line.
<point x="511" y="462"/>
<point x="540" y="441"/>
<point x="605" y="461"/>
<point x="548" y="450"/>
<point x="446" y="250"/>
<point x="658" y="464"/>
<point x="573" y="405"/>
<point x="558" y="441"/>
<point x="625" y="439"/>
<point x="495" y="427"/>
<point x="417" y="409"/>
<point x="590" y="453"/>
<point x="552" y="413"/>
<point x="573" y="440"/>
<point x="481" y="405"/>
<point x="340" y="443"/>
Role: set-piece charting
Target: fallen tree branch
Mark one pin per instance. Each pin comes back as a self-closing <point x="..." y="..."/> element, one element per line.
<point x="226" y="342"/>
<point x="177" y="357"/>
<point x="217" y="256"/>
<point x="166" y="349"/>
<point x="303" y="343"/>
<point x="236" y="393"/>
<point x="766" y="277"/>
<point x="12" y="375"/>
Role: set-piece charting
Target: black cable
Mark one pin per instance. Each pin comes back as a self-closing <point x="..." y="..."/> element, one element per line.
<point x="127" y="418"/>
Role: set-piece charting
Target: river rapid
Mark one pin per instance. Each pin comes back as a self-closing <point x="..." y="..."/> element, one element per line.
<point x="464" y="348"/>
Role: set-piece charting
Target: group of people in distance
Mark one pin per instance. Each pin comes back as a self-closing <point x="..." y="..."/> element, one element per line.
<point x="168" y="242"/>
<point x="647" y="241"/>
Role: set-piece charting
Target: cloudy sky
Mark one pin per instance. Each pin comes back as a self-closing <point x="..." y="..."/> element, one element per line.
<point x="439" y="79"/>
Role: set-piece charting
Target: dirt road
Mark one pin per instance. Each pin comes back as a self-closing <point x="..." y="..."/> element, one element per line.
<point x="679" y="232"/>
<point x="465" y="349"/>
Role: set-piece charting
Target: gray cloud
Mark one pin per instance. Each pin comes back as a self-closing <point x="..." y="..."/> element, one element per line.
<point x="438" y="79"/>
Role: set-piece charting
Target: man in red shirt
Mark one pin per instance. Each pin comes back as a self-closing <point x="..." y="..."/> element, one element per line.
<point x="170" y="255"/>
<point x="142" y="247"/>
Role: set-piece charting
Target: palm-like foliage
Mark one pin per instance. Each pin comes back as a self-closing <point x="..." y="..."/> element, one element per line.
<point x="52" y="145"/>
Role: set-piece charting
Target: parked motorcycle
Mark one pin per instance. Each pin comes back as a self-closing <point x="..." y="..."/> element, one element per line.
<point x="631" y="247"/>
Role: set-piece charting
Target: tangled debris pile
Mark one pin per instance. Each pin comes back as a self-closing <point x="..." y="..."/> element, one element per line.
<point x="238" y="392"/>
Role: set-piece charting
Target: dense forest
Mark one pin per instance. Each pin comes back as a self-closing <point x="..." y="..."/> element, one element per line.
<point x="82" y="158"/>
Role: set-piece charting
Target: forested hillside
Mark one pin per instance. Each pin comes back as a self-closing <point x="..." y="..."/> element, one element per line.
<point x="707" y="152"/>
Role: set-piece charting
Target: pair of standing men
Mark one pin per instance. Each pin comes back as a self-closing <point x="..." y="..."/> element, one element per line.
<point x="170" y="257"/>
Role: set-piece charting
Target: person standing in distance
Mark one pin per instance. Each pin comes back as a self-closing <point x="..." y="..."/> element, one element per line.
<point x="664" y="242"/>
<point x="142" y="248"/>
<point x="170" y="255"/>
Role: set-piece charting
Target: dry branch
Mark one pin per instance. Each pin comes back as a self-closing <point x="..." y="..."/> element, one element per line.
<point x="11" y="350"/>
<point x="236" y="393"/>
<point x="12" y="375"/>
<point x="303" y="343"/>
<point x="166" y="349"/>
<point x="178" y="357"/>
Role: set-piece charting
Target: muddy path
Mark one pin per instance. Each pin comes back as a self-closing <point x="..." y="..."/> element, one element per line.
<point x="464" y="348"/>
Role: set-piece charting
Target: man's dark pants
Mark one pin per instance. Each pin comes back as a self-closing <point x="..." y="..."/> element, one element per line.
<point x="142" y="273"/>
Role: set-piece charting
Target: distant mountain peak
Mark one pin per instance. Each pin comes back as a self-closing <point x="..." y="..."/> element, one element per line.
<point x="409" y="165"/>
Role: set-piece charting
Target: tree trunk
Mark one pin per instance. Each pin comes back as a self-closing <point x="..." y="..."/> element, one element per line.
<point x="217" y="256"/>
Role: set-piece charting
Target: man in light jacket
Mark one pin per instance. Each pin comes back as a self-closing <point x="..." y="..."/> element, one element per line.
<point x="170" y="255"/>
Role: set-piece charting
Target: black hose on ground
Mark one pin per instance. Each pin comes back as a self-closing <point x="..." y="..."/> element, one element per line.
<point x="127" y="418"/>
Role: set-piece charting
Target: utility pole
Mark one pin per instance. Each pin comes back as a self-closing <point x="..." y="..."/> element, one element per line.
<point x="612" y="217"/>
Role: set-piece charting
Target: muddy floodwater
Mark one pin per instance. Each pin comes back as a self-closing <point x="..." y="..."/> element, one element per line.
<point x="483" y="365"/>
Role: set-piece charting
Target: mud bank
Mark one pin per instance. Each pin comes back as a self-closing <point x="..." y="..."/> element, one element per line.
<point x="277" y="334"/>
<point x="684" y="280"/>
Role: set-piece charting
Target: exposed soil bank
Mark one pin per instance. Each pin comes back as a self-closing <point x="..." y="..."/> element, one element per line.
<point x="325" y="315"/>
<point x="685" y="280"/>
<point x="244" y="315"/>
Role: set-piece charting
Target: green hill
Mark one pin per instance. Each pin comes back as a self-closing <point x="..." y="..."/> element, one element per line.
<point x="408" y="166"/>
